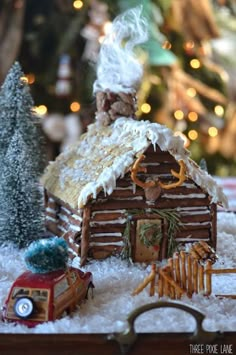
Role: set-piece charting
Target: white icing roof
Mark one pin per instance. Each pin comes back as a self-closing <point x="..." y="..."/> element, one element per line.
<point x="104" y="154"/>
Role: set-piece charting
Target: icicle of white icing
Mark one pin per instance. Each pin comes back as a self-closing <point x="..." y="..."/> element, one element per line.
<point x="118" y="69"/>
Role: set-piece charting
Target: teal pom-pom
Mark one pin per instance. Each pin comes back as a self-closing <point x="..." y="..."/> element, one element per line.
<point x="46" y="255"/>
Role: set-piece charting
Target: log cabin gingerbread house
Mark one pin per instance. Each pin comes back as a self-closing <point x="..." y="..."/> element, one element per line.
<point x="128" y="187"/>
<point x="131" y="189"/>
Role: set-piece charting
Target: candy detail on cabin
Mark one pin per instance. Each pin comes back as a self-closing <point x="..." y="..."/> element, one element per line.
<point x="136" y="168"/>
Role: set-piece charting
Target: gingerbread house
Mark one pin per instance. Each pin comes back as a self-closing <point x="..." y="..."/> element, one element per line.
<point x="130" y="189"/>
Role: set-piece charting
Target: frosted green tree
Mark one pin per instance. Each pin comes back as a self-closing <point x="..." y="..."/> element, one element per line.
<point x="7" y="110"/>
<point x="21" y="163"/>
<point x="21" y="208"/>
<point x="16" y="114"/>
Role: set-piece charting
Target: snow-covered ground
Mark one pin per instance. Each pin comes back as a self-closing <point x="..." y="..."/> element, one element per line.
<point x="115" y="281"/>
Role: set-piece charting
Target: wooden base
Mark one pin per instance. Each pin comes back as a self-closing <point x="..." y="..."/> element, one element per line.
<point x="91" y="344"/>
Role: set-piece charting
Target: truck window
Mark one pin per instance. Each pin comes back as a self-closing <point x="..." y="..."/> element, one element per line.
<point x="40" y="295"/>
<point x="60" y="287"/>
<point x="73" y="277"/>
<point x="19" y="292"/>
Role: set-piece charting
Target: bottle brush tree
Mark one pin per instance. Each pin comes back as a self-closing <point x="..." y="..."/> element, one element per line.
<point x="46" y="255"/>
<point x="21" y="163"/>
<point x="16" y="113"/>
<point x="21" y="208"/>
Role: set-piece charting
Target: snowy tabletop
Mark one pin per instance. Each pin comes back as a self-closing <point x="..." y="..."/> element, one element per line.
<point x="229" y="187"/>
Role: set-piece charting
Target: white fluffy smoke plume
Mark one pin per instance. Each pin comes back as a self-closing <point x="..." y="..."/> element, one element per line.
<point x="118" y="68"/>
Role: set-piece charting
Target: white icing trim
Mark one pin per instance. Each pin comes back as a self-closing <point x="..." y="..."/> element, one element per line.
<point x="65" y="209"/>
<point x="62" y="228"/>
<point x="108" y="211"/>
<point x="134" y="188"/>
<point x="123" y="188"/>
<point x="63" y="217"/>
<point x="150" y="164"/>
<point x="150" y="203"/>
<point x="195" y="223"/>
<point x="128" y="198"/>
<point x="189" y="185"/>
<point x="114" y="221"/>
<point x="121" y="244"/>
<point x="192" y="208"/>
<point x="51" y="200"/>
<point x="174" y="196"/>
<point x="189" y="239"/>
<point x="52" y="210"/>
<point x="75" y="228"/>
<point x="79" y="218"/>
<point x="71" y="240"/>
<point x="51" y="219"/>
<point x="185" y="213"/>
<point x="116" y="234"/>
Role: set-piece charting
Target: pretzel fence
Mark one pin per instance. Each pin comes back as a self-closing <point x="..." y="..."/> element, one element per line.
<point x="185" y="273"/>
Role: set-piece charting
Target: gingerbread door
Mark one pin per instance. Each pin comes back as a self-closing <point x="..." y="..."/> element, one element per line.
<point x="147" y="236"/>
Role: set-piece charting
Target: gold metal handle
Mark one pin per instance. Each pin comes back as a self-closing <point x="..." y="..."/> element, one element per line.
<point x="127" y="338"/>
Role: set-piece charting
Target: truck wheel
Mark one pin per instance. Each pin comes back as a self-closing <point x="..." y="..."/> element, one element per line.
<point x="89" y="294"/>
<point x="24" y="307"/>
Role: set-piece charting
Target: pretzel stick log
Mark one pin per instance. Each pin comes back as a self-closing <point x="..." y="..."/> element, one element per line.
<point x="201" y="277"/>
<point x="145" y="282"/>
<point x="152" y="283"/>
<point x="190" y="280"/>
<point x="197" y="247"/>
<point x="160" y="286"/>
<point x="208" y="277"/>
<point x="177" y="272"/>
<point x="165" y="276"/>
<point x="183" y="270"/>
<point x="171" y="266"/>
<point x="195" y="276"/>
<point x="220" y="271"/>
<point x="195" y="255"/>
<point x="167" y="285"/>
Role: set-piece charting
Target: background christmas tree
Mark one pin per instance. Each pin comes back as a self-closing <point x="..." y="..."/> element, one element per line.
<point x="188" y="66"/>
<point x="21" y="210"/>
<point x="16" y="114"/>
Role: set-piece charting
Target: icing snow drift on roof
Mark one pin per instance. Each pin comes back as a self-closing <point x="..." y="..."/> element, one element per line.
<point x="104" y="154"/>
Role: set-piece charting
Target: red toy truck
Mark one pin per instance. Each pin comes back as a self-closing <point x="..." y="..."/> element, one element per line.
<point x="37" y="298"/>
